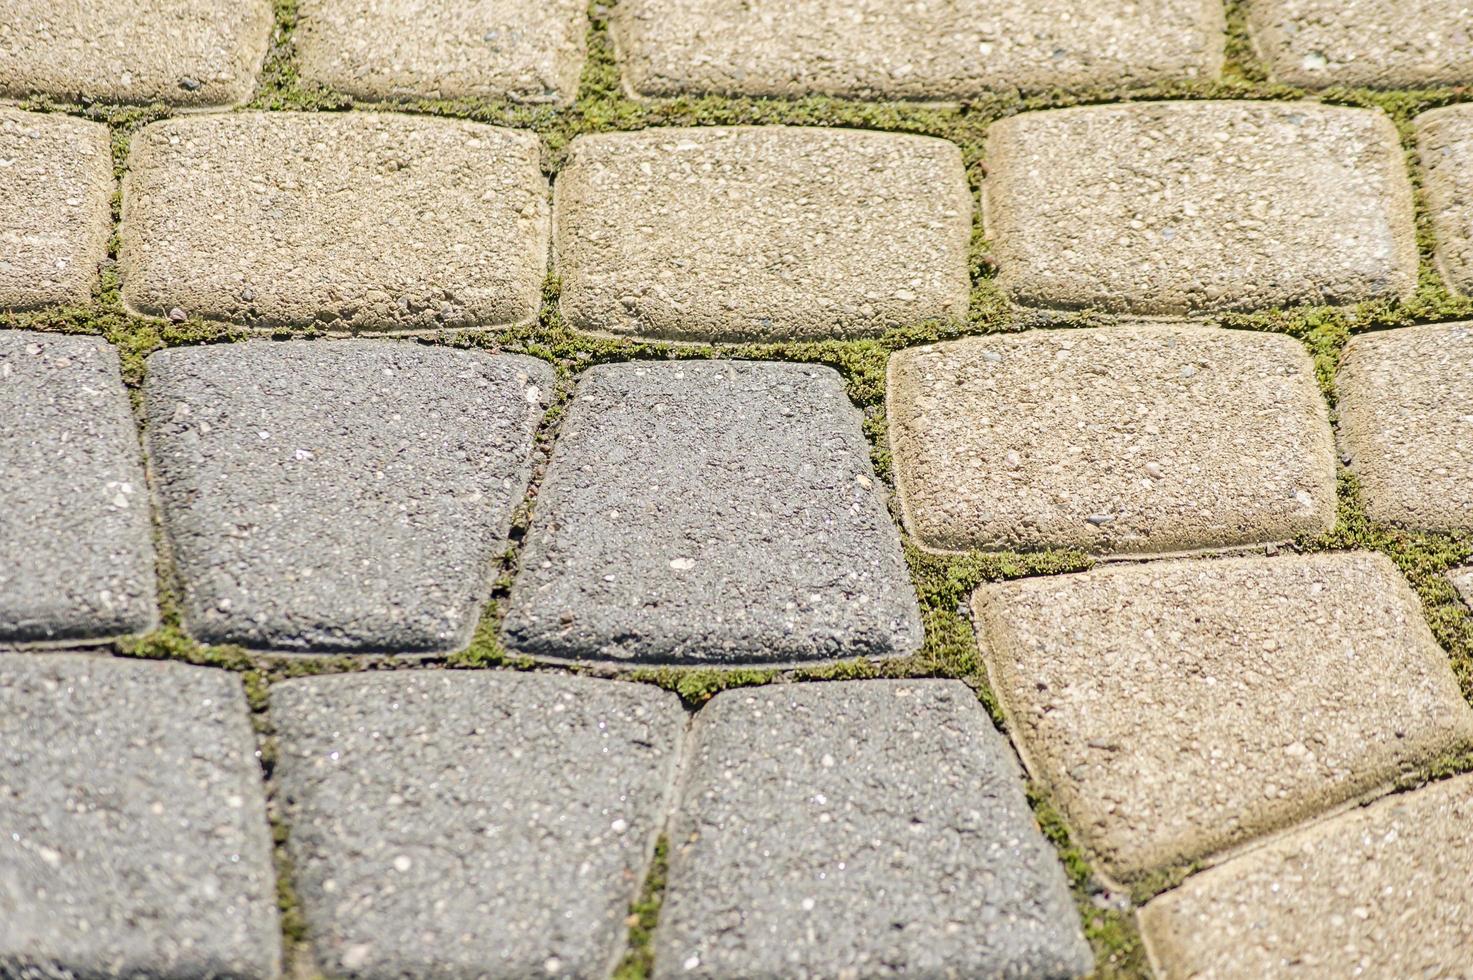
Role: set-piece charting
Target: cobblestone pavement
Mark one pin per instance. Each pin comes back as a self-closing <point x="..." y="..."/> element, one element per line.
<point x="736" y="488"/>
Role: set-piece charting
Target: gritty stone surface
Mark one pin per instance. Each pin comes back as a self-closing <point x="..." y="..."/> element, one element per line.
<point x="1176" y="708"/>
<point x="1376" y="892"/>
<point x="1406" y="424"/>
<point x="76" y="541"/>
<point x="179" y="52"/>
<point x="1180" y="207"/>
<point x="1139" y="439"/>
<point x="133" y="836"/>
<point x="715" y="512"/>
<point x="903" y="49"/>
<point x="1445" y="145"/>
<point x="761" y="233"/>
<point x="488" y="824"/>
<point x="1462" y="579"/>
<point x="860" y="828"/>
<point x="339" y="495"/>
<point x="342" y="221"/>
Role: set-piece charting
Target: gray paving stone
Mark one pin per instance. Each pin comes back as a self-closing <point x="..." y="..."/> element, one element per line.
<point x="713" y="512"/>
<point x="859" y="828"/>
<point x="133" y="835"/>
<point x="761" y="232"/>
<point x="472" y="824"/>
<point x="76" y="541"/>
<point x="1462" y="579"/>
<point x="339" y="495"/>
<point x="1445" y="145"/>
<point x="1183" y="207"/>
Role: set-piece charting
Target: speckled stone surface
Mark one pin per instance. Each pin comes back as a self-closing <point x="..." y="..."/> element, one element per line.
<point x="713" y="512"/>
<point x="1176" y="708"/>
<point x="761" y="233"/>
<point x="1181" y="207"/>
<point x="1445" y="145"/>
<point x="1138" y="439"/>
<point x="1462" y="579"/>
<point x="457" y="824"/>
<point x="341" y="221"/>
<point x="133" y="835"/>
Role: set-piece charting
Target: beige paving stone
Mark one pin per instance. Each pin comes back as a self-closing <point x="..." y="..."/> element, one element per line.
<point x="525" y="50"/>
<point x="761" y="233"/>
<point x="179" y="52"/>
<point x="1376" y="892"/>
<point x="1176" y="708"/>
<point x="1406" y="422"/>
<point x="1445" y="145"/>
<point x="1462" y="579"/>
<point x="56" y="179"/>
<point x="932" y="50"/>
<point x="341" y="220"/>
<point x="1140" y="439"/>
<point x="1181" y="207"/>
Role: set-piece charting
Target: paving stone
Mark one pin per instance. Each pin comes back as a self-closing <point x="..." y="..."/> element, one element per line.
<point x="901" y="49"/>
<point x="133" y="838"/>
<point x="339" y="495"/>
<point x="1406" y="424"/>
<point x="859" y="828"/>
<point x="179" y="52"/>
<point x="76" y="540"/>
<point x="714" y="512"/>
<point x="761" y="233"/>
<point x="342" y="221"/>
<point x="1377" y="892"/>
<point x="1181" y="207"/>
<point x="1462" y="579"/>
<point x="472" y="824"/>
<point x="1445" y="145"/>
<point x="1131" y="440"/>
<point x="1177" y="708"/>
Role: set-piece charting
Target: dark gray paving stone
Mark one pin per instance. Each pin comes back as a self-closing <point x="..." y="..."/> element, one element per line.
<point x="719" y="512"/>
<point x="860" y="829"/>
<point x="456" y="824"/>
<point x="133" y="834"/>
<point x="339" y="495"/>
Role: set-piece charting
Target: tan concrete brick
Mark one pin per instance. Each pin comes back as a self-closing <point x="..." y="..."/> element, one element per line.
<point x="1141" y="439"/>
<point x="1445" y="145"/>
<point x="1462" y="579"/>
<point x="1177" y="708"/>
<point x="1181" y="207"/>
<point x="761" y="233"/>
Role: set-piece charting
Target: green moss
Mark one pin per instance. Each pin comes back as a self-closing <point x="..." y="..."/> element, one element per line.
<point x="644" y="914"/>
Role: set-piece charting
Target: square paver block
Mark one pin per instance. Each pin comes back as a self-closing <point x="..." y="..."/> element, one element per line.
<point x="76" y="540"/>
<point x="472" y="824"/>
<point x="1377" y="892"/>
<point x="1181" y="207"/>
<point x="179" y="52"/>
<point x="1406" y="421"/>
<point x="900" y="49"/>
<point x="714" y="512"/>
<point x="1142" y="439"/>
<point x="1370" y="43"/>
<point x="343" y="221"/>
<point x="761" y="233"/>
<point x="133" y="834"/>
<point x="1177" y="708"/>
<point x="56" y="181"/>
<point x="1445" y="145"/>
<point x="860" y="829"/>
<point x="339" y="495"/>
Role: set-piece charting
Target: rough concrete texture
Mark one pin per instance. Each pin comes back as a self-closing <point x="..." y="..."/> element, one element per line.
<point x="524" y="50"/>
<point x="179" y="52"/>
<point x="1176" y="708"/>
<point x="1407" y="425"/>
<point x="719" y="512"/>
<point x="1140" y="439"/>
<point x="341" y="221"/>
<point x="76" y="548"/>
<point x="761" y="233"/>
<point x="1376" y="892"/>
<point x="133" y="836"/>
<point x="472" y="824"/>
<point x="902" y="49"/>
<point x="1462" y="579"/>
<point x="1180" y="207"/>
<point x="347" y="495"/>
<point x="1445" y="145"/>
<point x="860" y="828"/>
<point x="56" y="182"/>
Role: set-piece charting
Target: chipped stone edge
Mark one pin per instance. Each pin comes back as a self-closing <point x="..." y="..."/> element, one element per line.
<point x="1426" y="126"/>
